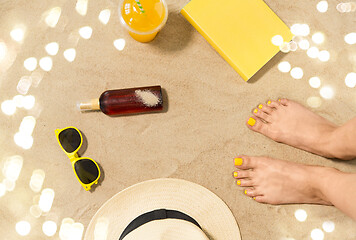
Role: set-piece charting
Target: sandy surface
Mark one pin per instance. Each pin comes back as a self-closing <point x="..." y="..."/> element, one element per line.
<point x="197" y="136"/>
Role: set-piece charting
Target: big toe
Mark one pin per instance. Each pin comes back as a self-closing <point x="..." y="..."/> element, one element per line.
<point x="257" y="125"/>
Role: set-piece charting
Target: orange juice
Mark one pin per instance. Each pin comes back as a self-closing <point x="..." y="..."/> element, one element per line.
<point x="143" y="19"/>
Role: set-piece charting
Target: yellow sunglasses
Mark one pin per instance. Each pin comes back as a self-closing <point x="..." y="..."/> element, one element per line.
<point x="86" y="170"/>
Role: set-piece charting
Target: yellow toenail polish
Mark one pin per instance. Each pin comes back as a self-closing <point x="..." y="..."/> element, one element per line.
<point x="251" y="121"/>
<point x="279" y="100"/>
<point x="255" y="111"/>
<point x="260" y="106"/>
<point x="238" y="182"/>
<point x="245" y="191"/>
<point x="269" y="102"/>
<point x="254" y="198"/>
<point x="238" y="161"/>
<point x="235" y="174"/>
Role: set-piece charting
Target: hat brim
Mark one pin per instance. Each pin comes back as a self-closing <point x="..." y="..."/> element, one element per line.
<point x="212" y="214"/>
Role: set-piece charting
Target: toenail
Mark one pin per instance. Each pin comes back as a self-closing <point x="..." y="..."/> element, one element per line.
<point x="245" y="191"/>
<point x="260" y="106"/>
<point x="255" y="111"/>
<point x="269" y="102"/>
<point x="238" y="182"/>
<point x="235" y="174"/>
<point x="254" y="198"/>
<point x="251" y="122"/>
<point x="279" y="100"/>
<point x="238" y="162"/>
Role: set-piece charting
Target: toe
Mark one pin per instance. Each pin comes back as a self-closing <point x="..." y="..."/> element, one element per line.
<point x="257" y="125"/>
<point x="242" y="174"/>
<point x="283" y="101"/>
<point x="245" y="182"/>
<point x="262" y="115"/>
<point x="244" y="162"/>
<point x="273" y="104"/>
<point x="260" y="199"/>
<point x="265" y="108"/>
<point x="251" y="192"/>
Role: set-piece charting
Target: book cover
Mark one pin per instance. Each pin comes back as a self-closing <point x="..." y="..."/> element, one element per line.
<point x="240" y="30"/>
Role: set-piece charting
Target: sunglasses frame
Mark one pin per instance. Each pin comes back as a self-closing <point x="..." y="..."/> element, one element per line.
<point x="73" y="157"/>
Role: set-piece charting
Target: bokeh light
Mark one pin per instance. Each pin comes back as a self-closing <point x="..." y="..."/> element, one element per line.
<point x="30" y="64"/>
<point x="313" y="52"/>
<point x="3" y="51"/>
<point x="9" y="185"/>
<point x="314" y="82"/>
<point x="69" y="54"/>
<point x="277" y="40"/>
<point x="119" y="44"/>
<point x="27" y="125"/>
<point x="81" y="7"/>
<point x="324" y="56"/>
<point x="350" y="80"/>
<point x="71" y="230"/>
<point x="19" y="100"/>
<point x="350" y="38"/>
<point x="327" y="92"/>
<point x="24" y="84"/>
<point x="301" y="215"/>
<point x="46" y="199"/>
<point x="52" y="48"/>
<point x="8" y="107"/>
<point x="46" y="64"/>
<point x="285" y="48"/>
<point x="317" y="234"/>
<point x="36" y="78"/>
<point x="2" y="190"/>
<point x="52" y="16"/>
<point x="296" y="73"/>
<point x="293" y="46"/>
<point x="12" y="167"/>
<point x="35" y="211"/>
<point x="104" y="16"/>
<point x="23" y="140"/>
<point x="23" y="228"/>
<point x="300" y="29"/>
<point x="329" y="226"/>
<point x="37" y="179"/>
<point x="284" y="66"/>
<point x="18" y="34"/>
<point x="49" y="228"/>
<point x="29" y="102"/>
<point x="304" y="44"/>
<point x="318" y="38"/>
<point x="85" y="32"/>
<point x="322" y="6"/>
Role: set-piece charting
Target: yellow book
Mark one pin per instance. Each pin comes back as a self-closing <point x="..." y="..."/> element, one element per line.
<point x="240" y="30"/>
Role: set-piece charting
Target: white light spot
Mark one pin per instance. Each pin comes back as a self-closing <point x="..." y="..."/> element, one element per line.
<point x="69" y="54"/>
<point x="313" y="52"/>
<point x="301" y="215"/>
<point x="2" y="190"/>
<point x="13" y="168"/>
<point x="317" y="234"/>
<point x="314" y="82"/>
<point x="350" y="80"/>
<point x="101" y="229"/>
<point x="322" y="6"/>
<point x="295" y="29"/>
<point x="3" y="51"/>
<point x="85" y="32"/>
<point x="52" y="17"/>
<point x="318" y="38"/>
<point x="329" y="226"/>
<point x="52" y="48"/>
<point x="77" y="230"/>
<point x="300" y="29"/>
<point x="35" y="211"/>
<point x="119" y="44"/>
<point x="296" y="73"/>
<point x="304" y="44"/>
<point x="37" y="179"/>
<point x="82" y="7"/>
<point x="324" y="56"/>
<point x="27" y="125"/>
<point x="9" y="185"/>
<point x="30" y="64"/>
<point x="23" y="140"/>
<point x="284" y="66"/>
<point x="36" y="78"/>
<point x="293" y="46"/>
<point x="24" y="84"/>
<point x="350" y="38"/>
<point x="8" y="107"/>
<point x="297" y="39"/>
<point x="285" y="48"/>
<point x="104" y="16"/>
<point x="277" y="40"/>
<point x="23" y="228"/>
<point x="17" y="34"/>
<point x="46" y="64"/>
<point x="46" y="199"/>
<point x="49" y="228"/>
<point x="71" y="230"/>
<point x="327" y="92"/>
<point x="29" y="102"/>
<point x="19" y="100"/>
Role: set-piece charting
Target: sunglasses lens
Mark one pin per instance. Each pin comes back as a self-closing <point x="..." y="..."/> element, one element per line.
<point x="86" y="170"/>
<point x="70" y="139"/>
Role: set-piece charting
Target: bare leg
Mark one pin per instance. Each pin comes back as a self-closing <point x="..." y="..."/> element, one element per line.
<point x="289" y="122"/>
<point x="275" y="181"/>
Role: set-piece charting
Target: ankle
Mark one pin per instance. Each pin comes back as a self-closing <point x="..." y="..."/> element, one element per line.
<point x="320" y="178"/>
<point x="339" y="144"/>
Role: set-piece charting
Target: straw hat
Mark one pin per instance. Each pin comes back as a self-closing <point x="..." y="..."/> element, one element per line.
<point x="164" y="209"/>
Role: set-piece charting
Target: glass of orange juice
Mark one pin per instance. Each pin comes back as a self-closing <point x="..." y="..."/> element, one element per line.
<point x="143" y="18"/>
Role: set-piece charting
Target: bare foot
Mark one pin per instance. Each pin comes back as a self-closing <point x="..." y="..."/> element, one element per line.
<point x="280" y="182"/>
<point x="289" y="122"/>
